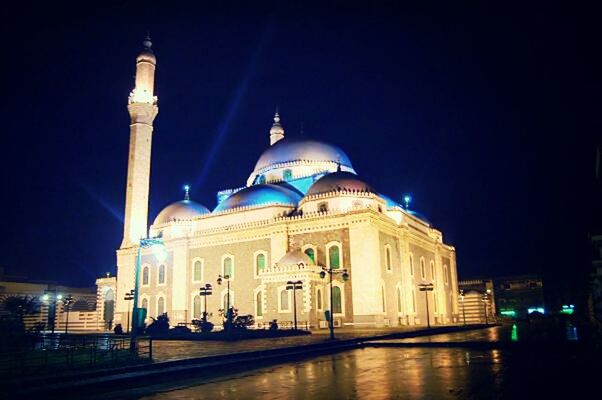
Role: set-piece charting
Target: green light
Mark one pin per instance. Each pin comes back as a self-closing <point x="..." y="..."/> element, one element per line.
<point x="514" y="335"/>
<point x="568" y="310"/>
<point x="508" y="313"/>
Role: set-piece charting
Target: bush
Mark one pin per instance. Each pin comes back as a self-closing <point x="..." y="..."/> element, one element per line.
<point x="118" y="329"/>
<point x="202" y="325"/>
<point x="159" y="326"/>
<point x="242" y="322"/>
<point x="178" y="330"/>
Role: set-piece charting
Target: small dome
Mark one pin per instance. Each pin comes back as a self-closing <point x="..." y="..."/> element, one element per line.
<point x="184" y="210"/>
<point x="288" y="151"/>
<point x="339" y="181"/>
<point x="295" y="257"/>
<point x="258" y="195"/>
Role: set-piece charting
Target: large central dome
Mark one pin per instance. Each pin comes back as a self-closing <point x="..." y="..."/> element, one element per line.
<point x="308" y="153"/>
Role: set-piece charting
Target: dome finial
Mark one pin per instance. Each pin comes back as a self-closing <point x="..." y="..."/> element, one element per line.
<point x="147" y="43"/>
<point x="186" y="192"/>
<point x="277" y="131"/>
<point x="339" y="164"/>
<point x="407" y="199"/>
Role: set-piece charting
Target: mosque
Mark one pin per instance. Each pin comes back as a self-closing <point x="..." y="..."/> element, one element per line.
<point x="303" y="215"/>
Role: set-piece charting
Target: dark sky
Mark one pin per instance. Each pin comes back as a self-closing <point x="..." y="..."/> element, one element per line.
<point x="483" y="114"/>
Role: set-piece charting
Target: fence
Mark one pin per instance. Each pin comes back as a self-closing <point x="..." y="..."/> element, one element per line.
<point x="52" y="354"/>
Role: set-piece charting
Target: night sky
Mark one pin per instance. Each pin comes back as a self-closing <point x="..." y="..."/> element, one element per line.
<point x="485" y="115"/>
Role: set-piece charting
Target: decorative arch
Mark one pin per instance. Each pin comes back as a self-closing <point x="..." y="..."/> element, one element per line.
<point x="198" y="269"/>
<point x="432" y="268"/>
<point x="338" y="298"/>
<point x="334" y="255"/>
<point x="311" y="251"/>
<point x="161" y="275"/>
<point x="411" y="257"/>
<point x="227" y="265"/>
<point x="161" y="304"/>
<point x="259" y="302"/>
<point x="197" y="307"/>
<point x="145" y="275"/>
<point x="422" y="268"/>
<point x="260" y="261"/>
<point x="388" y="258"/>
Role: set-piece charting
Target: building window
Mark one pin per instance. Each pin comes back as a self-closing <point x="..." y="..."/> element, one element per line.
<point x="337" y="305"/>
<point x="144" y="304"/>
<point x="284" y="306"/>
<point x="259" y="263"/>
<point x="382" y="293"/>
<point x="323" y="207"/>
<point x="196" y="308"/>
<point x="445" y="274"/>
<point x="319" y="300"/>
<point x="160" y="306"/>
<point x="228" y="267"/>
<point x="388" y="262"/>
<point x="259" y="305"/>
<point x="413" y="300"/>
<point x="287" y="174"/>
<point x="432" y="265"/>
<point x="435" y="301"/>
<point x="161" y="280"/>
<point x="334" y="257"/>
<point x="145" y="276"/>
<point x="411" y="265"/>
<point x="197" y="272"/>
<point x="261" y="179"/>
<point x="398" y="300"/>
<point x="422" y="268"/>
<point x="311" y="253"/>
<point x="227" y="299"/>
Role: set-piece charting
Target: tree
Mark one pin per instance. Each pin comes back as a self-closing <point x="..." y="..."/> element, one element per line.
<point x="159" y="326"/>
<point x="19" y="306"/>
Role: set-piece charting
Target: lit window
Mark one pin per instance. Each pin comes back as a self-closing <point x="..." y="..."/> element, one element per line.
<point x="311" y="254"/>
<point x="336" y="300"/>
<point x="259" y="300"/>
<point x="287" y="174"/>
<point x="196" y="309"/>
<point x="284" y="300"/>
<point x="198" y="271"/>
<point x="161" y="274"/>
<point x="228" y="266"/>
<point x="160" y="306"/>
<point x="388" y="258"/>
<point x="333" y="257"/>
<point x="422" y="268"/>
<point x="259" y="263"/>
<point x="145" y="276"/>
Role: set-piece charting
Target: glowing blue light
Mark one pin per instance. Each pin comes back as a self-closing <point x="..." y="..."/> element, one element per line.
<point x="186" y="187"/>
<point x="407" y="199"/>
<point x="536" y="309"/>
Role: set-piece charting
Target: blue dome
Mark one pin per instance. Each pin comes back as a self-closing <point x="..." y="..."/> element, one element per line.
<point x="184" y="210"/>
<point x="258" y="195"/>
<point x="339" y="181"/>
<point x="288" y="151"/>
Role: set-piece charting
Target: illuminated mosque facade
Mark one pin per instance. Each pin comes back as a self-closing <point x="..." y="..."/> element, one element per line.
<point x="303" y="209"/>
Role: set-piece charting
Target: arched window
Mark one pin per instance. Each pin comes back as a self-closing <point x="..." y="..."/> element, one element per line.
<point x="109" y="306"/>
<point x="337" y="305"/>
<point x="259" y="263"/>
<point x="287" y="174"/>
<point x="399" y="300"/>
<point x="334" y="257"/>
<point x="432" y="265"/>
<point x="413" y="300"/>
<point x="323" y="207"/>
<point x="422" y="268"/>
<point x="411" y="265"/>
<point x="311" y="254"/>
<point x="228" y="266"/>
<point x="445" y="274"/>
<point x="144" y="304"/>
<point x="227" y="299"/>
<point x="196" y="308"/>
<point x="160" y="306"/>
<point x="319" y="299"/>
<point x="284" y="306"/>
<point x="197" y="271"/>
<point x="145" y="276"/>
<point x="259" y="301"/>
<point x="382" y="292"/>
<point x="161" y="274"/>
<point x="388" y="262"/>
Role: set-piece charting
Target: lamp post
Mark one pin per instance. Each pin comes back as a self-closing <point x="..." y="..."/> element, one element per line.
<point x="330" y="271"/>
<point x="426" y="288"/>
<point x="462" y="300"/>
<point x="294" y="286"/>
<point x="205" y="291"/>
<point x="67" y="301"/>
<point x="485" y="301"/>
<point x="227" y="313"/>
<point x="128" y="297"/>
<point x="160" y="253"/>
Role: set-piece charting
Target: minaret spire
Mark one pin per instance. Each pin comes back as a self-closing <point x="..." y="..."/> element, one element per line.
<point x="142" y="107"/>
<point x="277" y="131"/>
<point x="186" y="192"/>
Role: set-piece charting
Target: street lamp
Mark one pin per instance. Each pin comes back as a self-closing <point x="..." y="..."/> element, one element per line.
<point x="205" y="291"/>
<point x="426" y="288"/>
<point x="331" y="272"/>
<point x="227" y="312"/>
<point x="128" y="297"/>
<point x="485" y="301"/>
<point x="294" y="286"/>
<point x="67" y="301"/>
<point x="158" y="247"/>
<point x="462" y="300"/>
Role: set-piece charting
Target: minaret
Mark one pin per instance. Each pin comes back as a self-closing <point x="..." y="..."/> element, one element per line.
<point x="277" y="131"/>
<point x="142" y="106"/>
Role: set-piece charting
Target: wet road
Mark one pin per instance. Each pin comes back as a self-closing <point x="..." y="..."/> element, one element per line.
<point x="414" y="373"/>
